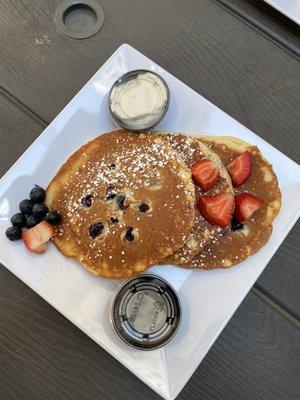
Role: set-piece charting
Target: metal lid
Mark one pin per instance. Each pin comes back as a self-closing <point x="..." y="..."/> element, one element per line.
<point x="146" y="312"/>
<point x="155" y="95"/>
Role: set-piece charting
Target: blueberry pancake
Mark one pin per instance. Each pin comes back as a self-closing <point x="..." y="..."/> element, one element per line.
<point x="192" y="151"/>
<point x="127" y="202"/>
<point x="257" y="202"/>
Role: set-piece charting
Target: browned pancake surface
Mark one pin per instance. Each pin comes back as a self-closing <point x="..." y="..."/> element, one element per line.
<point x="231" y="247"/>
<point x="191" y="150"/>
<point x="138" y="169"/>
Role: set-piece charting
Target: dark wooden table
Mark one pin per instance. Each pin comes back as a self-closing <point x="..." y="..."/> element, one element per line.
<point x="241" y="55"/>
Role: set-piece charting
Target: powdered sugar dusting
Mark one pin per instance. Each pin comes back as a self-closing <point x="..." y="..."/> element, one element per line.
<point x="117" y="173"/>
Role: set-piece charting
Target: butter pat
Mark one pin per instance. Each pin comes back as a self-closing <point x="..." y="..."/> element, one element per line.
<point x="139" y="100"/>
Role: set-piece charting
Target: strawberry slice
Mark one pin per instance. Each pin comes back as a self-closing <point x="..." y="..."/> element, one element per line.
<point x="205" y="174"/>
<point x="39" y="249"/>
<point x="240" y="169"/>
<point x="35" y="238"/>
<point x="217" y="209"/>
<point x="245" y="205"/>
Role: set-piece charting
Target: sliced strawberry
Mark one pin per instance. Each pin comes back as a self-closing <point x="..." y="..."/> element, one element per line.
<point x="245" y="205"/>
<point x="217" y="209"/>
<point x="35" y="238"/>
<point x="39" y="249"/>
<point x="240" y="169"/>
<point x="205" y="174"/>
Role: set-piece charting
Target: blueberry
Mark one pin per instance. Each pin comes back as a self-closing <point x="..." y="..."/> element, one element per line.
<point x="96" y="229"/>
<point x="129" y="235"/>
<point x="18" y="220"/>
<point x="143" y="207"/>
<point x="114" y="220"/>
<point x="235" y="224"/>
<point x="37" y="194"/>
<point x="109" y="192"/>
<point x="39" y="210"/>
<point x="53" y="217"/>
<point x="112" y="167"/>
<point x="110" y="196"/>
<point x="87" y="200"/>
<point x="120" y="200"/>
<point x="32" y="221"/>
<point x="14" y="233"/>
<point x="26" y="206"/>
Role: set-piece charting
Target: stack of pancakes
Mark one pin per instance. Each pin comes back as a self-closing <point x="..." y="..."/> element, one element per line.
<point x="128" y="201"/>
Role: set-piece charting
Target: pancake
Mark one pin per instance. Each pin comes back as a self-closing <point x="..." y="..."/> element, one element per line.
<point x="192" y="150"/>
<point x="127" y="202"/>
<point x="231" y="247"/>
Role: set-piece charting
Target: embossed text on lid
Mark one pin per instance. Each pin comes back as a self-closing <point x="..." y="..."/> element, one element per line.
<point x="146" y="312"/>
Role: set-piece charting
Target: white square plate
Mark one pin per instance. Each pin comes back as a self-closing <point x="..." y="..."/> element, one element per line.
<point x="209" y="298"/>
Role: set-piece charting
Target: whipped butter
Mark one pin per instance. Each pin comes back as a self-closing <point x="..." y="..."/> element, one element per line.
<point x="139" y="100"/>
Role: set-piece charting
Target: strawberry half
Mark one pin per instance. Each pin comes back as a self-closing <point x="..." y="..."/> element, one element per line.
<point x="39" y="249"/>
<point x="240" y="169"/>
<point x="35" y="238"/>
<point x="217" y="209"/>
<point x="205" y="174"/>
<point x="245" y="205"/>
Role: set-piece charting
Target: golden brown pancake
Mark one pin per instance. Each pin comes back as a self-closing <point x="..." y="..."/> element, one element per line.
<point x="133" y="192"/>
<point x="231" y="247"/>
<point x="192" y="150"/>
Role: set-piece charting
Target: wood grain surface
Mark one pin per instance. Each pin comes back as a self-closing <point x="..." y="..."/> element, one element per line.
<point x="281" y="279"/>
<point x="215" y="50"/>
<point x="17" y="131"/>
<point x="270" y="22"/>
<point x="210" y="49"/>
